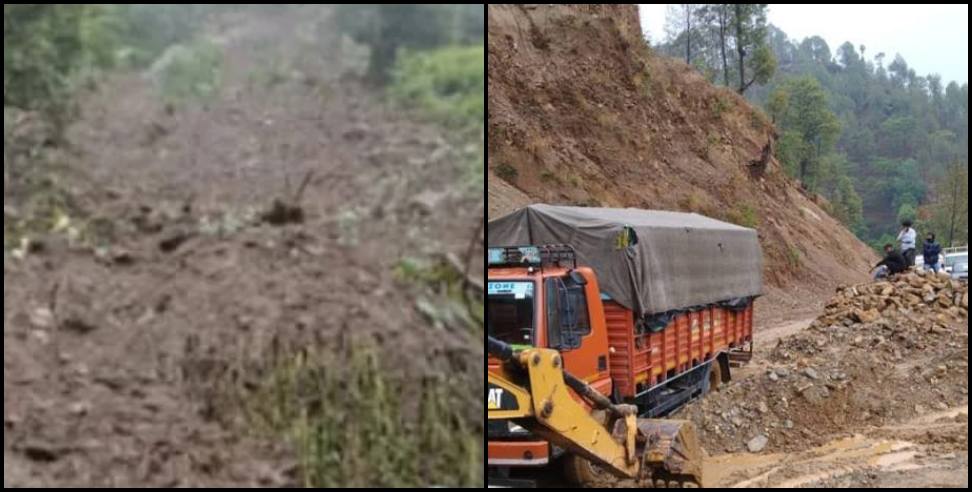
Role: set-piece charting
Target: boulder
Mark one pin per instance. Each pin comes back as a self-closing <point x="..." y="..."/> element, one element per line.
<point x="757" y="443"/>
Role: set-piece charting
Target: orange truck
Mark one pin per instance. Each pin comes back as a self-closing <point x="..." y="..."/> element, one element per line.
<point x="649" y="308"/>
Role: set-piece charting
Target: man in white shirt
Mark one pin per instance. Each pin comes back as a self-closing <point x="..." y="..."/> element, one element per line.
<point x="908" y="237"/>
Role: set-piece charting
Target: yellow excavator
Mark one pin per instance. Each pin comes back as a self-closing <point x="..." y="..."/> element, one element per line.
<point x="533" y="390"/>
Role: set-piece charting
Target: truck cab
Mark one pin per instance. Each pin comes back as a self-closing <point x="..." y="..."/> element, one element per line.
<point x="534" y="302"/>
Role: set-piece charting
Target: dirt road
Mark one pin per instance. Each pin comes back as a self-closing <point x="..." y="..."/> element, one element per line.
<point x="925" y="452"/>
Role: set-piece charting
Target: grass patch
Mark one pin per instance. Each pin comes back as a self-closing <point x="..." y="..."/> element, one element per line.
<point x="355" y="425"/>
<point x="793" y="257"/>
<point x="506" y="172"/>
<point x="744" y="215"/>
<point x="49" y="208"/>
<point x="445" y="304"/>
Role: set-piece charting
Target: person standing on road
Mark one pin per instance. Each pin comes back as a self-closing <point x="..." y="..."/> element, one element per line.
<point x="908" y="237"/>
<point x="931" y="251"/>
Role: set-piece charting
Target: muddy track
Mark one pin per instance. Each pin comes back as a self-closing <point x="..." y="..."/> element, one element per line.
<point x="925" y="452"/>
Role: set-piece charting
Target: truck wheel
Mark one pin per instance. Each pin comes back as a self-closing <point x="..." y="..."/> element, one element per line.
<point x="715" y="376"/>
<point x="580" y="472"/>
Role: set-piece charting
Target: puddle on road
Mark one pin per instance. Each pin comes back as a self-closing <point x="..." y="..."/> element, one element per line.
<point x="831" y="460"/>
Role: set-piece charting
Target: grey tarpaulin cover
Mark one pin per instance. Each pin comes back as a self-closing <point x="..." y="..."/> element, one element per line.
<point x="674" y="261"/>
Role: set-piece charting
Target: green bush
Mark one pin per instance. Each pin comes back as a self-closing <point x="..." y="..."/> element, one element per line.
<point x="446" y="84"/>
<point x="508" y="172"/>
<point x="188" y="72"/>
<point x="148" y="29"/>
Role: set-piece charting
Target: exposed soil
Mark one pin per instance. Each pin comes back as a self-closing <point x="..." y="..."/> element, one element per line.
<point x="114" y="356"/>
<point x="581" y="112"/>
<point x="874" y="389"/>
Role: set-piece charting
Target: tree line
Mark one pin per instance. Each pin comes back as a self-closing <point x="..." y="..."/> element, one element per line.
<point x="879" y="141"/>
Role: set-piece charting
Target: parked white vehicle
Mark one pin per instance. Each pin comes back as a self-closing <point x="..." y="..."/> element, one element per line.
<point x="957" y="262"/>
<point x="953" y="255"/>
<point x="961" y="271"/>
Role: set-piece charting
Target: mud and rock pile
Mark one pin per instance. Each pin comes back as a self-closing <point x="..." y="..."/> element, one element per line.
<point x="881" y="354"/>
<point x="917" y="294"/>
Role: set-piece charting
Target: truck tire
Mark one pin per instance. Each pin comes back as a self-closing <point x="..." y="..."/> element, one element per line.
<point x="580" y="472"/>
<point x="715" y="376"/>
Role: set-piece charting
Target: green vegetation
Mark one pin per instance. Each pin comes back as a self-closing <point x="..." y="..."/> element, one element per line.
<point x="726" y="39"/>
<point x="447" y="84"/>
<point x="744" y="215"/>
<point x="355" y="425"/>
<point x="509" y="173"/>
<point x="436" y="65"/>
<point x="878" y="140"/>
<point x="901" y="135"/>
<point x="793" y="257"/>
<point x="145" y="31"/>
<point x="452" y="306"/>
<point x="188" y="72"/>
<point x="806" y="149"/>
<point x="387" y="29"/>
<point x="44" y="48"/>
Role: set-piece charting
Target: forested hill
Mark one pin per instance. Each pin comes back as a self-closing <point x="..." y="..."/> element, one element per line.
<point x="880" y="141"/>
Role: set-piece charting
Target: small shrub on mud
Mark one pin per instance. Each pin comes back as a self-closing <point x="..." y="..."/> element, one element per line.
<point x="744" y="215"/>
<point x="793" y="257"/>
<point x="506" y="172"/>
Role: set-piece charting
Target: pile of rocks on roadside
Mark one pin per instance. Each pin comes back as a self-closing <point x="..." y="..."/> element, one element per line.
<point x="921" y="293"/>
<point x="879" y="354"/>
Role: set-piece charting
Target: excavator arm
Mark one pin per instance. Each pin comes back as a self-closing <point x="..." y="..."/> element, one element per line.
<point x="532" y="389"/>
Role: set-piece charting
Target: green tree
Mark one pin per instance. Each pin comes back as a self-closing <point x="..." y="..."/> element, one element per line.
<point x="899" y="130"/>
<point x="389" y="28"/>
<point x="42" y="49"/>
<point x="950" y="211"/>
<point x="812" y="128"/>
<point x="713" y="21"/>
<point x="749" y="21"/>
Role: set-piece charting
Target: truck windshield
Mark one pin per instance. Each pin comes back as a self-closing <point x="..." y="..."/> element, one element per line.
<point x="510" y="312"/>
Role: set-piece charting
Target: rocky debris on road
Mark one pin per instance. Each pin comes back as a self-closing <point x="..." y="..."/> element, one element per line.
<point x="881" y="353"/>
<point x="757" y="444"/>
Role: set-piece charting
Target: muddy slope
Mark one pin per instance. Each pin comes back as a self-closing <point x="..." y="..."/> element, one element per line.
<point x="582" y="112"/>
<point x="115" y="357"/>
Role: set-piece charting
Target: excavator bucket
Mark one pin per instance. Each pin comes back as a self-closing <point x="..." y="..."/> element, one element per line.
<point x="671" y="454"/>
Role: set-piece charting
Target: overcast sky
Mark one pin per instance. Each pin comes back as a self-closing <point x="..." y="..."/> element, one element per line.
<point x="931" y="38"/>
